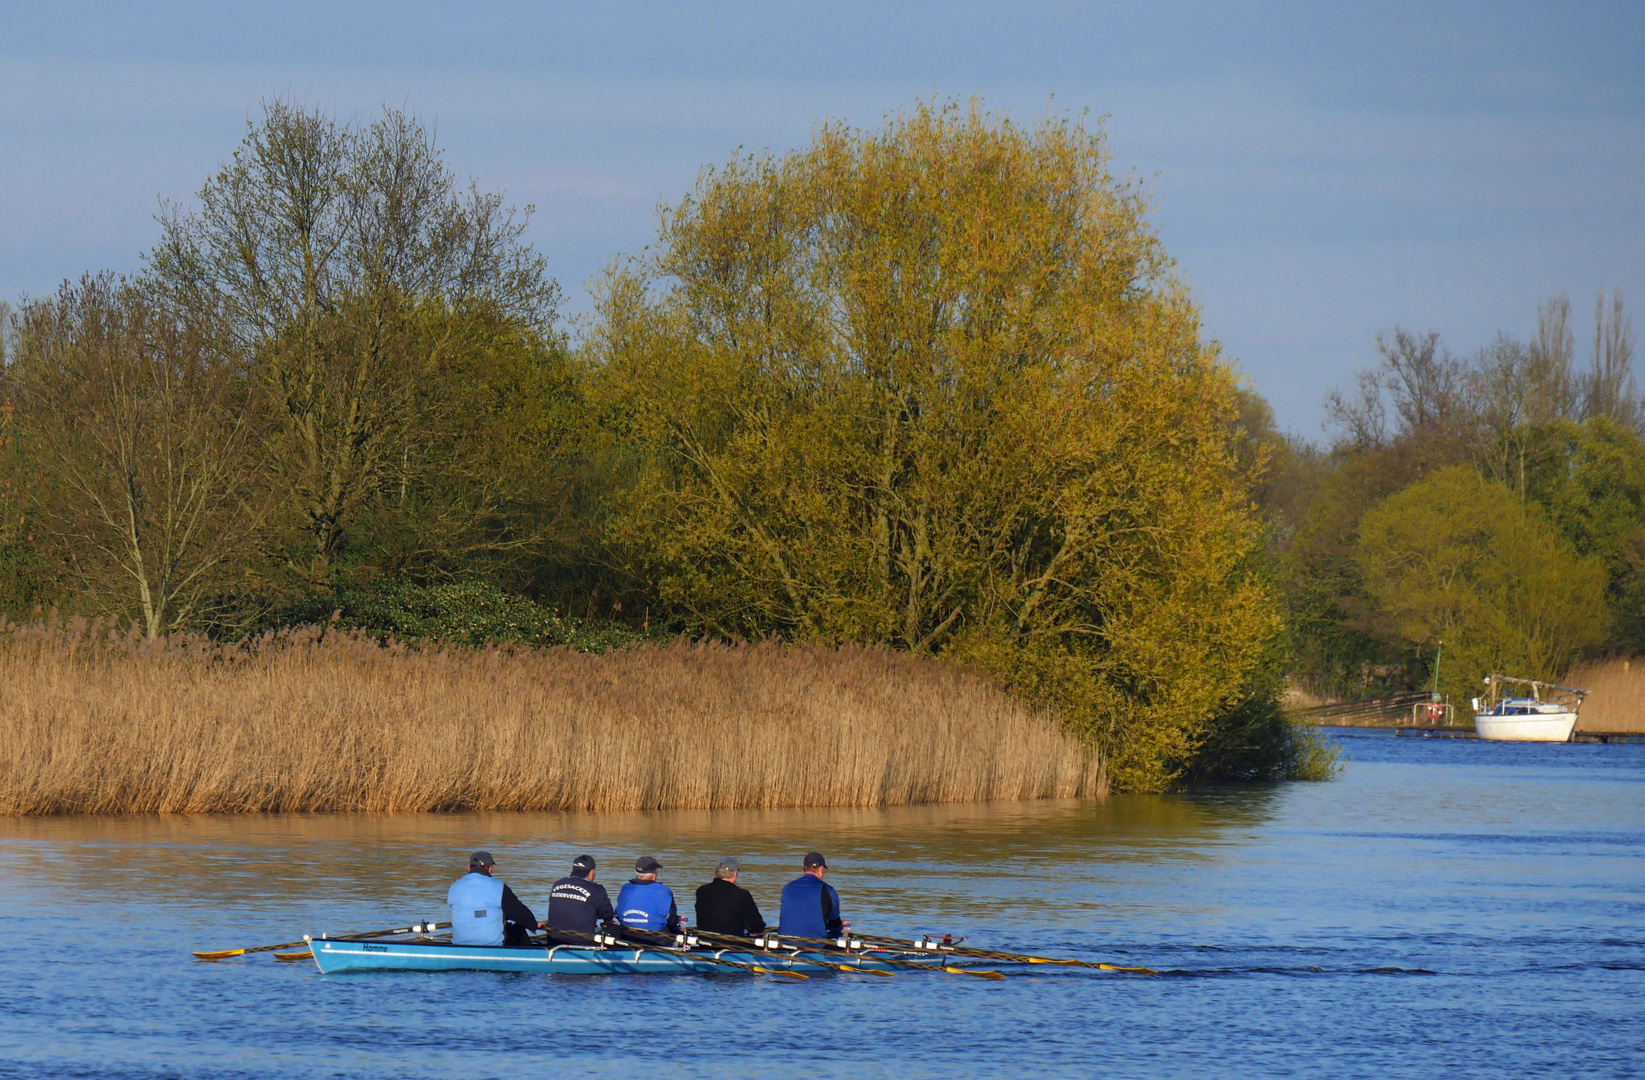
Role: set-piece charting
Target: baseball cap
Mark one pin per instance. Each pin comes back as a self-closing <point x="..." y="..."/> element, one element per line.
<point x="645" y="864"/>
<point x="582" y="864"/>
<point x="814" y="858"/>
<point x="481" y="858"/>
<point x="727" y="863"/>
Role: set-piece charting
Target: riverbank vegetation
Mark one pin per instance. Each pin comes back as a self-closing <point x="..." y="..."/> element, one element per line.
<point x="1616" y="686"/>
<point x="1494" y="502"/>
<point x="100" y="721"/>
<point x="931" y="387"/>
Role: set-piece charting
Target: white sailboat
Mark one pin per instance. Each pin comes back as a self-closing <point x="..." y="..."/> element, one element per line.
<point x="1537" y="718"/>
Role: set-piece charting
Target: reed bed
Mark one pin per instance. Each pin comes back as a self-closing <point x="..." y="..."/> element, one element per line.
<point x="99" y="723"/>
<point x="1616" y="699"/>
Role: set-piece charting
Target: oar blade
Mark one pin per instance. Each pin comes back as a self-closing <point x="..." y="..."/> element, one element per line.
<point x="977" y="972"/>
<point x="855" y="970"/>
<point x="221" y="954"/>
<point x="777" y="971"/>
<point x="1128" y="970"/>
<point x="290" y="956"/>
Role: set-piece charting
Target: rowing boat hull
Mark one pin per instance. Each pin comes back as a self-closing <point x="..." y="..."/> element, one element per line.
<point x="340" y="956"/>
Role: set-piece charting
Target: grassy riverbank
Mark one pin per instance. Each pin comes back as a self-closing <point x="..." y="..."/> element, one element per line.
<point x="104" y="724"/>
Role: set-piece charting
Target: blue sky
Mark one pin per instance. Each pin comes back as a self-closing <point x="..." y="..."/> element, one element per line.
<point x="1320" y="172"/>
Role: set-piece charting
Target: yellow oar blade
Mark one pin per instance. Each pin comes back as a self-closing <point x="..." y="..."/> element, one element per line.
<point x="784" y="974"/>
<point x="289" y="956"/>
<point x="1133" y="971"/>
<point x="846" y="967"/>
<point x="223" y="954"/>
<point x="978" y="974"/>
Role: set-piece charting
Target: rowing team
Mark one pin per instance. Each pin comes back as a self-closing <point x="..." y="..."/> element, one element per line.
<point x="484" y="911"/>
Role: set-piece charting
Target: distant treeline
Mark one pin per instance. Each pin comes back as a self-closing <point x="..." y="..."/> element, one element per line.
<point x="1494" y="502"/>
<point x="932" y="386"/>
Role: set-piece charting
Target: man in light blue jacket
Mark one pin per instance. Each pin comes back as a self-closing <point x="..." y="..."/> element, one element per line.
<point x="484" y="911"/>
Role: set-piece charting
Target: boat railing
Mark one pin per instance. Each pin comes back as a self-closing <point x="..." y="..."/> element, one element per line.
<point x="1492" y="699"/>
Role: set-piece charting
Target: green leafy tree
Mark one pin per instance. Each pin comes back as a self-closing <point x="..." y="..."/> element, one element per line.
<point x="1463" y="560"/>
<point x="933" y="385"/>
<point x="392" y="318"/>
<point x="1590" y="478"/>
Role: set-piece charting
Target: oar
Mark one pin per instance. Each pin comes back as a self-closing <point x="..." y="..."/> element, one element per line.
<point x="420" y="928"/>
<point x="1016" y="958"/>
<point x="610" y="939"/>
<point x="691" y="937"/>
<point x="834" y="946"/>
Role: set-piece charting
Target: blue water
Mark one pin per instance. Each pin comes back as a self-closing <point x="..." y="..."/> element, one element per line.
<point x="1444" y="908"/>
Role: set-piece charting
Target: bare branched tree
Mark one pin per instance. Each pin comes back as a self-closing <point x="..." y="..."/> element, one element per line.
<point x="147" y="435"/>
<point x="1548" y="386"/>
<point x="1609" y="389"/>
<point x="351" y="267"/>
<point x="1489" y="407"/>
<point x="1424" y="384"/>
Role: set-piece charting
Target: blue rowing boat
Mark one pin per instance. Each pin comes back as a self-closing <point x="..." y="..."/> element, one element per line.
<point x="339" y="956"/>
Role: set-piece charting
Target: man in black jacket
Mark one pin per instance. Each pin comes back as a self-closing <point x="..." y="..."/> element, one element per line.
<point x="577" y="903"/>
<point x="724" y="907"/>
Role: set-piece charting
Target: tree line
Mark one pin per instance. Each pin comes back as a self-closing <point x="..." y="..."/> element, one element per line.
<point x="932" y="385"/>
<point x="1482" y="512"/>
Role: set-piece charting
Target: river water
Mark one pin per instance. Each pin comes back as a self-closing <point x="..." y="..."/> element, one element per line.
<point x="1454" y="908"/>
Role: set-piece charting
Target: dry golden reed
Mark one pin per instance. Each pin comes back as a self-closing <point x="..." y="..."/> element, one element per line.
<point x="100" y="723"/>
<point x="1616" y="698"/>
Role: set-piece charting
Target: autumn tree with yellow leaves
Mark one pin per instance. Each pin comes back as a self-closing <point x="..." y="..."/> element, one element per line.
<point x="935" y="385"/>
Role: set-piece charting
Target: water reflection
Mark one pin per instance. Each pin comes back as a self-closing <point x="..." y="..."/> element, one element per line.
<point x="255" y="860"/>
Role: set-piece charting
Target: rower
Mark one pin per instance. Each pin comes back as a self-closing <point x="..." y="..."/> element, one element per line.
<point x="811" y="907"/>
<point x="724" y="907"/>
<point x="577" y="903"/>
<point x="644" y="903"/>
<point x="484" y="911"/>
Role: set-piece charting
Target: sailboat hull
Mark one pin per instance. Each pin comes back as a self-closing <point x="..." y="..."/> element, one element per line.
<point x="1535" y="727"/>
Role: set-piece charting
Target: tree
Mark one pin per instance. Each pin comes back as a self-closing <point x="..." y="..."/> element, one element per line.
<point x="934" y="386"/>
<point x="147" y="438"/>
<point x="1609" y="390"/>
<point x="1590" y="479"/>
<point x="1463" y="560"/>
<point x="24" y="577"/>
<point x="1424" y="383"/>
<point x="362" y="285"/>
<point x="1516" y="411"/>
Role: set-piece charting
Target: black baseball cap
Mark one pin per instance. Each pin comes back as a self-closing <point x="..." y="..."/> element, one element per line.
<point x="814" y="858"/>
<point x="481" y="858"/>
<point x="645" y="864"/>
<point x="582" y="864"/>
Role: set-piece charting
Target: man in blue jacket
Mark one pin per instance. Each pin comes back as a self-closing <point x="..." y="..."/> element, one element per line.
<point x="484" y="911"/>
<point x="646" y="903"/>
<point x="811" y="907"/>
